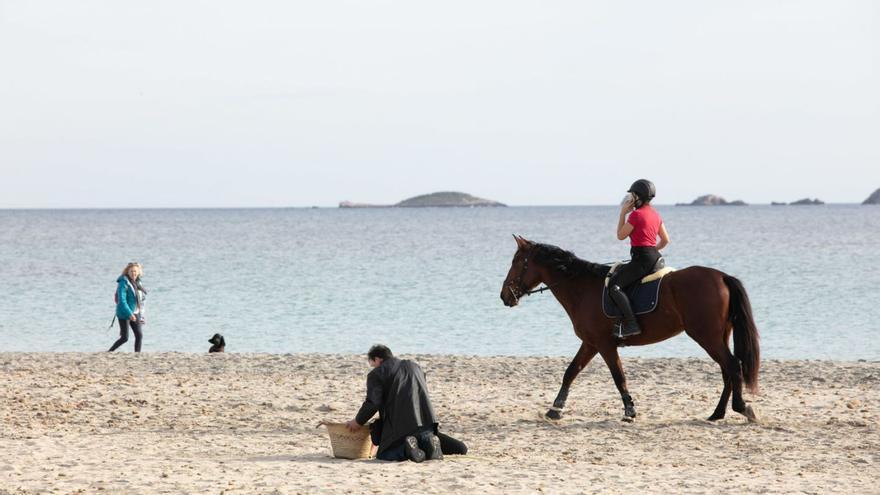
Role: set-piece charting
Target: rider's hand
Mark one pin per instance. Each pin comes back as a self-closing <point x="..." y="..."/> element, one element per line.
<point x="133" y="318"/>
<point x="352" y="426"/>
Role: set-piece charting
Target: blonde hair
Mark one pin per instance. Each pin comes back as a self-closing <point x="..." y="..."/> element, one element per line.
<point x="131" y="265"/>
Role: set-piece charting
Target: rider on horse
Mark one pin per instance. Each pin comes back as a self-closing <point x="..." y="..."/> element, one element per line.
<point x="642" y="227"/>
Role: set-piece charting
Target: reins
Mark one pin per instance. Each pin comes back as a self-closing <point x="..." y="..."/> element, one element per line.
<point x="518" y="292"/>
<point x="546" y="287"/>
<point x="516" y="289"/>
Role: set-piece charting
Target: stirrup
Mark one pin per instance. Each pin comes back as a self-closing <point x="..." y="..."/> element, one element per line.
<point x="619" y="327"/>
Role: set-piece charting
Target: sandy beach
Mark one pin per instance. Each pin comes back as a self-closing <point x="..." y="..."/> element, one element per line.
<point x="245" y="423"/>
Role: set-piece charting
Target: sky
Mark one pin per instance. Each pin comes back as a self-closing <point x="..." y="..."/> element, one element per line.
<point x="123" y="104"/>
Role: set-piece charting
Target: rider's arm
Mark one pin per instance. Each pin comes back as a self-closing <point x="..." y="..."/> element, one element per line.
<point x="664" y="237"/>
<point x="624" y="229"/>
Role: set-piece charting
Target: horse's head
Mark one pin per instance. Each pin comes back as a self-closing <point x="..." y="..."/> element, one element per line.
<point x="523" y="275"/>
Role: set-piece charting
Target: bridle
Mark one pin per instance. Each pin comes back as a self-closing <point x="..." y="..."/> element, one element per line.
<point x="518" y="292"/>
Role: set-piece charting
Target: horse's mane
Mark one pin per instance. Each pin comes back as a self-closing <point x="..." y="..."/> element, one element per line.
<point x="566" y="262"/>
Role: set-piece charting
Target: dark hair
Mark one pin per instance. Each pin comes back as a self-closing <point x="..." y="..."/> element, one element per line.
<point x="379" y="351"/>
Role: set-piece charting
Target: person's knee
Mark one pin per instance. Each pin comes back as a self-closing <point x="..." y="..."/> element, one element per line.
<point x="613" y="280"/>
<point x="452" y="446"/>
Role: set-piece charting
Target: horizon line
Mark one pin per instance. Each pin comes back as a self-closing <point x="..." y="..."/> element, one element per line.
<point x="317" y="207"/>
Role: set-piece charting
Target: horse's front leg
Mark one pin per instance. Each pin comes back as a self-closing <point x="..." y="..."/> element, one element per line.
<point x="583" y="356"/>
<point x="612" y="359"/>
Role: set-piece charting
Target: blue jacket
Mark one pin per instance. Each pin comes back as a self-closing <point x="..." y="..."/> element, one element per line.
<point x="126" y="298"/>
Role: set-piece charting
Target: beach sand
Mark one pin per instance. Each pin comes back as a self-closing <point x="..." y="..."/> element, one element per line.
<point x="245" y="423"/>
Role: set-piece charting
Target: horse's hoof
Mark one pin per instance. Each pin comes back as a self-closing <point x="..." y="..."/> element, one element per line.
<point x="715" y="417"/>
<point x="750" y="414"/>
<point x="553" y="415"/>
<point x="629" y="412"/>
<point x="628" y="419"/>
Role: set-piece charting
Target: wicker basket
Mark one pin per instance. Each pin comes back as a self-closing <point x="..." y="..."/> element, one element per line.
<point x="348" y="445"/>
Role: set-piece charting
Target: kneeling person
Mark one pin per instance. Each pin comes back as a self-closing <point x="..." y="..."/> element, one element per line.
<point x="407" y="426"/>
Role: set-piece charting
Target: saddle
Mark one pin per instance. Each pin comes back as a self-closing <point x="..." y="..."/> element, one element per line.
<point x="643" y="296"/>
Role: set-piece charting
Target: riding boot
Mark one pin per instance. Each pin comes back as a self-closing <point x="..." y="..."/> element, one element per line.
<point x="629" y="326"/>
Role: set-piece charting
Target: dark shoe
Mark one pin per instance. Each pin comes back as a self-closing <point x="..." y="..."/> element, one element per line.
<point x="412" y="450"/>
<point x="433" y="452"/>
<point x="627" y="328"/>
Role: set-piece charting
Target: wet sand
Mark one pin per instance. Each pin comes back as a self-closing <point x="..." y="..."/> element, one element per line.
<point x="245" y="423"/>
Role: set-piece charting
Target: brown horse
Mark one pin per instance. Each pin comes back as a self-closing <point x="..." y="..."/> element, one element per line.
<point x="705" y="303"/>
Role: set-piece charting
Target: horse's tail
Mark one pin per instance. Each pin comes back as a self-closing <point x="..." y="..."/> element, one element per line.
<point x="745" y="333"/>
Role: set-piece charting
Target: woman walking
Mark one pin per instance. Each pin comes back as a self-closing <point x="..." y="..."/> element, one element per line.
<point x="130" y="305"/>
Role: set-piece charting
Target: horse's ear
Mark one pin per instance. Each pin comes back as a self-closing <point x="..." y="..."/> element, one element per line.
<point x="520" y="241"/>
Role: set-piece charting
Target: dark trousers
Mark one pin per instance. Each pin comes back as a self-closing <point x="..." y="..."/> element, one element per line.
<point x="641" y="264"/>
<point x="448" y="445"/>
<point x="123" y="334"/>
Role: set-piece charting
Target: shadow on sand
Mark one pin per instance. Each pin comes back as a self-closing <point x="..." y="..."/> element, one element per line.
<point x="319" y="458"/>
<point x="642" y="424"/>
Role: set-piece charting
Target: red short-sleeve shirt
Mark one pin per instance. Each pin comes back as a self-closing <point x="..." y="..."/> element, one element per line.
<point x="646" y="225"/>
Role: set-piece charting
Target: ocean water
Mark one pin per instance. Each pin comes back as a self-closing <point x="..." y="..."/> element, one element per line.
<point x="420" y="280"/>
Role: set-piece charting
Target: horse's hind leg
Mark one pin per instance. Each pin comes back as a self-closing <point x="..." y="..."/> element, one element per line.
<point x="583" y="356"/>
<point x="721" y="408"/>
<point x="739" y="405"/>
<point x="612" y="359"/>
<point x="731" y="373"/>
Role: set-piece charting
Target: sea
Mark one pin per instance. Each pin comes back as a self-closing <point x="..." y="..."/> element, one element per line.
<point x="420" y="280"/>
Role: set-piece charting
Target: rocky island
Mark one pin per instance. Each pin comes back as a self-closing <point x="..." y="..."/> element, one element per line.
<point x="712" y="200"/>
<point x="808" y="201"/>
<point x="447" y="199"/>
<point x="873" y="199"/>
<point x="349" y="204"/>
<point x="438" y="199"/>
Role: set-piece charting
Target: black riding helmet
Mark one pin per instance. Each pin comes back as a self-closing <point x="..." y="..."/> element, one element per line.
<point x="643" y="189"/>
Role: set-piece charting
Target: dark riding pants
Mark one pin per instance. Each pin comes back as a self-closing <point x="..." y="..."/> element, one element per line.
<point x="642" y="263"/>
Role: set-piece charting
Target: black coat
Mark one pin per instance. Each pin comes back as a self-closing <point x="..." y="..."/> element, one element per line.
<point x="397" y="390"/>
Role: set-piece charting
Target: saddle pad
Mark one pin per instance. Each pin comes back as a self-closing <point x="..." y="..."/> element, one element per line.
<point x="643" y="298"/>
<point x="647" y="278"/>
<point x="658" y="274"/>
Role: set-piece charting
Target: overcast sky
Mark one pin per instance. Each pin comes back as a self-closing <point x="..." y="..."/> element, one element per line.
<point x="296" y="103"/>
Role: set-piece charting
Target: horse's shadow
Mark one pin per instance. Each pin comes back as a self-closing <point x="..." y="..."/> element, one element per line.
<point x="606" y="424"/>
